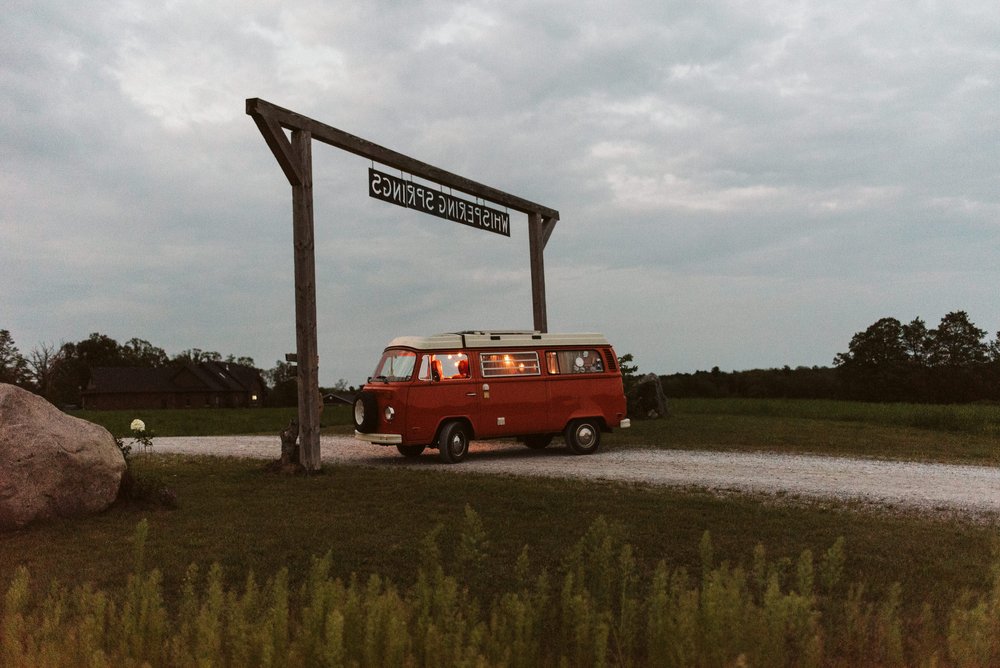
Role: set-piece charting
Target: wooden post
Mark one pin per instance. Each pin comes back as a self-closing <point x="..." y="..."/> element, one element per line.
<point x="536" y="247"/>
<point x="305" y="303"/>
<point x="539" y="230"/>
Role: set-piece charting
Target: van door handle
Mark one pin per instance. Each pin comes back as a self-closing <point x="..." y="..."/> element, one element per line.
<point x="470" y="394"/>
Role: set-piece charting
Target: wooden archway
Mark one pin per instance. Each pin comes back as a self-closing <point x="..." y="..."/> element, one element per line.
<point x="294" y="155"/>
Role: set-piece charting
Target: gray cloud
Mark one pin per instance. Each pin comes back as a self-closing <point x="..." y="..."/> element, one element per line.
<point x="740" y="185"/>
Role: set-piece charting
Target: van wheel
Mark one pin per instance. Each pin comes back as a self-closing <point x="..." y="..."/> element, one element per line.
<point x="583" y="436"/>
<point x="366" y="412"/>
<point x="453" y="443"/>
<point x="538" y="441"/>
<point x="410" y="450"/>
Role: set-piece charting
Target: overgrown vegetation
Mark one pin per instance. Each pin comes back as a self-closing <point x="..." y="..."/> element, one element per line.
<point x="597" y="608"/>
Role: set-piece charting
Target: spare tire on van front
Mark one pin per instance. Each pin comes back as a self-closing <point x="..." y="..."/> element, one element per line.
<point x="366" y="412"/>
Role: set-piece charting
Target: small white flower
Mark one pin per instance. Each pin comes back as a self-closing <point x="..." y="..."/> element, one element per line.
<point x="138" y="425"/>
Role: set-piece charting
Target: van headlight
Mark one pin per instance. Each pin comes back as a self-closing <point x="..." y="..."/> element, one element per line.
<point x="389" y="413"/>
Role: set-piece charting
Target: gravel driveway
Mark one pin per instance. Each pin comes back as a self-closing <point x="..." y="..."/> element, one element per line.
<point x="968" y="490"/>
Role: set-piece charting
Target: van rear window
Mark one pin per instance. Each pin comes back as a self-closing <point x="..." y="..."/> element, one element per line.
<point x="574" y="361"/>
<point x="509" y="364"/>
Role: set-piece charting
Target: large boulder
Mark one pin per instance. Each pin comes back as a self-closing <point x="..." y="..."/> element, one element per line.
<point x="52" y="464"/>
<point x="646" y="399"/>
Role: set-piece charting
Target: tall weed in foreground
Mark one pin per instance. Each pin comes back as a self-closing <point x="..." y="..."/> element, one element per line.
<point x="973" y="634"/>
<point x="600" y="609"/>
<point x="735" y="616"/>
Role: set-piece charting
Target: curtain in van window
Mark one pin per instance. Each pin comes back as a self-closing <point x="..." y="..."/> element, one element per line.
<point x="574" y="361"/>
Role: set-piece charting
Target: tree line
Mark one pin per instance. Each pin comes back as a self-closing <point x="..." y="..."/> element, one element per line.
<point x="952" y="363"/>
<point x="889" y="361"/>
<point x="60" y="373"/>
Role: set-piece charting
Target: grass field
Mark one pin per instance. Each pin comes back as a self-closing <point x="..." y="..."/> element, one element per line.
<point x="373" y="521"/>
<point x="234" y="513"/>
<point x="969" y="434"/>
<point x="213" y="421"/>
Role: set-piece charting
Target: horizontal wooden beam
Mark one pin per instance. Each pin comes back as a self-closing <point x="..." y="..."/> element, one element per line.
<point x="264" y="112"/>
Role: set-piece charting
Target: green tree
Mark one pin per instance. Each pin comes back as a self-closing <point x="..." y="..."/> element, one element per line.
<point x="281" y="372"/>
<point x="71" y="373"/>
<point x="13" y="367"/>
<point x="139" y="352"/>
<point x="881" y="346"/>
<point x="241" y="359"/>
<point x="876" y="365"/>
<point x="628" y="370"/>
<point x="98" y="350"/>
<point x="958" y="361"/>
<point x="196" y="356"/>
<point x="894" y="362"/>
<point x="957" y="342"/>
<point x="283" y="380"/>
<point x="916" y="341"/>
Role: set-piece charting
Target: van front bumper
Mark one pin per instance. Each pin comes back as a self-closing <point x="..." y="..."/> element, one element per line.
<point x="379" y="439"/>
<point x="625" y="424"/>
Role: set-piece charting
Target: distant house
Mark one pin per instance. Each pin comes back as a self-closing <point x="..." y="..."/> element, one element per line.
<point x="202" y="385"/>
<point x="339" y="398"/>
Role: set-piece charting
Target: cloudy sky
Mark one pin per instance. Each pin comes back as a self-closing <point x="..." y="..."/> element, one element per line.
<point x="741" y="184"/>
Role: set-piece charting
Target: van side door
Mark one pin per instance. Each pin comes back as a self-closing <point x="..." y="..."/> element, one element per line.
<point x="514" y="394"/>
<point x="441" y="391"/>
<point x="585" y="382"/>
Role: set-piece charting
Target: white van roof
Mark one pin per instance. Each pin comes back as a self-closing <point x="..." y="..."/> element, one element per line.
<point x="497" y="339"/>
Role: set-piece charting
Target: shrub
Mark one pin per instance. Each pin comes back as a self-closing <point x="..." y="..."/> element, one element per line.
<point x="139" y="485"/>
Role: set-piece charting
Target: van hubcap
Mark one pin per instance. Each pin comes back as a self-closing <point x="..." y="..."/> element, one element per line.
<point x="585" y="435"/>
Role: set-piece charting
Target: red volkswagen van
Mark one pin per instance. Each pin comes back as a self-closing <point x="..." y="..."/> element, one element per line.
<point x="442" y="391"/>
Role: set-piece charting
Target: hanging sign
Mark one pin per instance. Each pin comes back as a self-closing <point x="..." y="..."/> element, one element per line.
<point x="411" y="195"/>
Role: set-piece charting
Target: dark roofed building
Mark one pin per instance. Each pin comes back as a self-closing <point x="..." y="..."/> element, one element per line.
<point x="203" y="385"/>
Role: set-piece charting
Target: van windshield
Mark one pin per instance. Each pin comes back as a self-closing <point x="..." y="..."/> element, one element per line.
<point x="395" y="366"/>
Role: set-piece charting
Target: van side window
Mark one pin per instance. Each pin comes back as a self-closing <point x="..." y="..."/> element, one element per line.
<point x="444" y="366"/>
<point x="574" y="361"/>
<point x="425" y="368"/>
<point x="456" y="365"/>
<point x="509" y="364"/>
